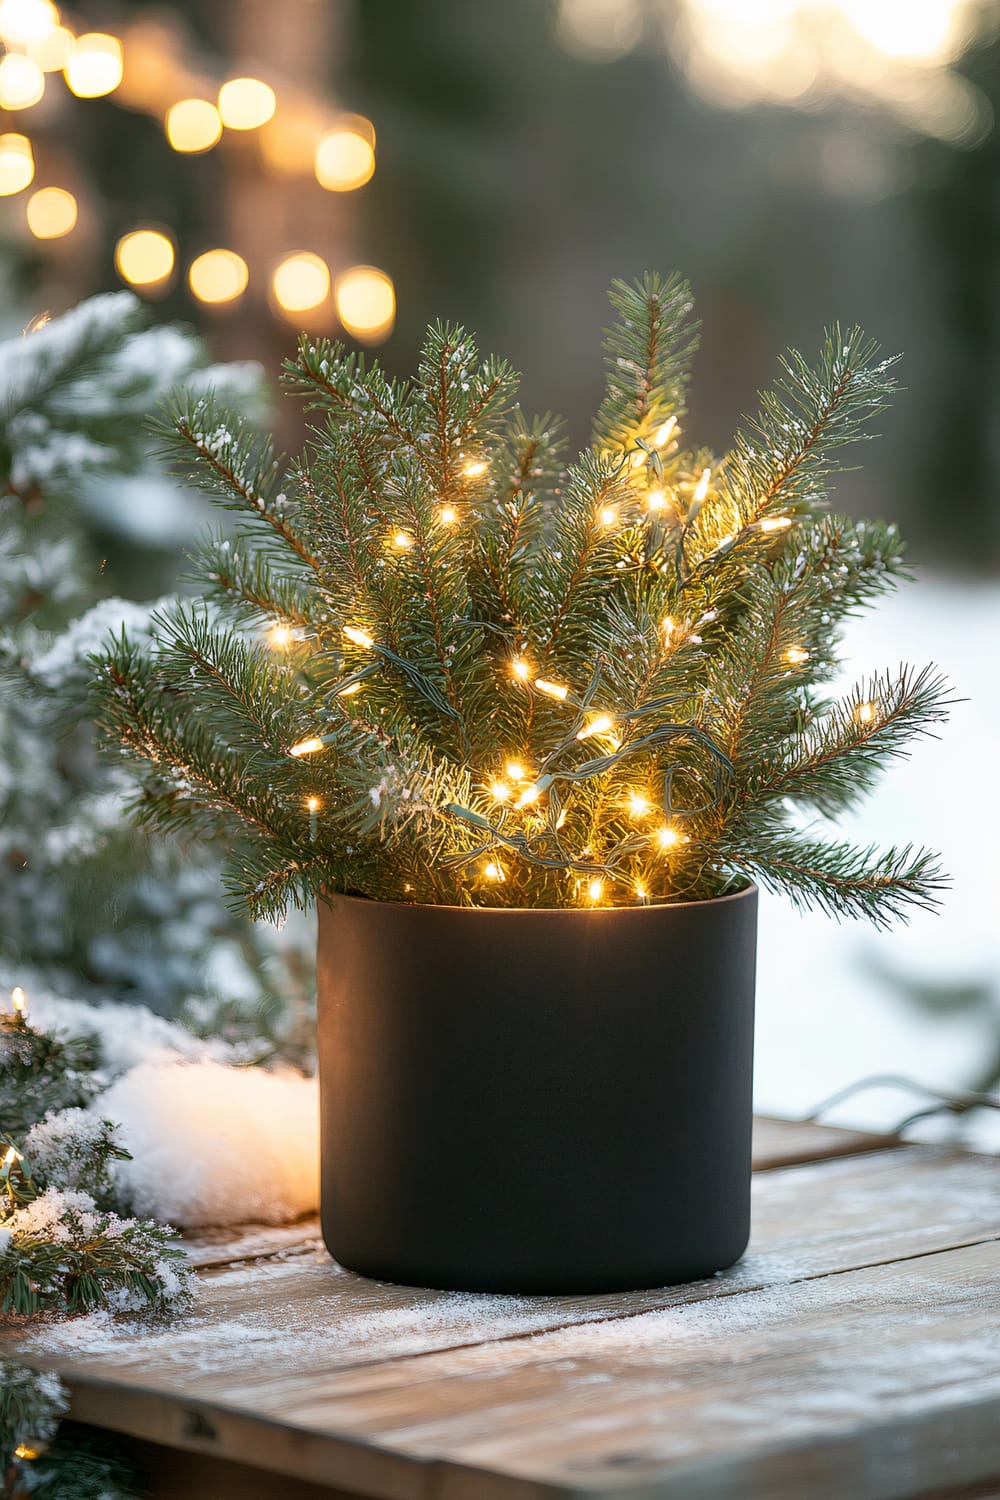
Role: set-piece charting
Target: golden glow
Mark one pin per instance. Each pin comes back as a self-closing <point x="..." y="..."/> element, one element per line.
<point x="494" y="871"/>
<point x="561" y="819"/>
<point x="595" y="890"/>
<point x="641" y="893"/>
<point x="475" y="468"/>
<point x="447" y="515"/>
<point x="520" y="668"/>
<point x="301" y="282"/>
<point x="638" y="458"/>
<point x="366" y="303"/>
<point x="24" y="22"/>
<point x="866" y="713"/>
<point x="551" y="689"/>
<point x="609" y="516"/>
<point x="515" y="771"/>
<point x="598" y="725"/>
<point x="53" y="50"/>
<point x="144" y="257"/>
<point x="12" y="1156"/>
<point x="246" y="103"/>
<point x="528" y="797"/>
<point x="358" y="636"/>
<point x="218" y="276"/>
<point x="313" y="804"/>
<point x="18" y="1000"/>
<point x="701" y="488"/>
<point x="638" y="805"/>
<point x="307" y="747"/>
<point x="668" y="626"/>
<point x="499" y="791"/>
<point x="24" y="1452"/>
<point x="350" y="690"/>
<point x="663" y="434"/>
<point x="17" y="164"/>
<point x="22" y="82"/>
<point x="95" y="65"/>
<point x="656" y="500"/>
<point x="776" y="523"/>
<point x="193" y="125"/>
<point x="345" y="159"/>
<point x="667" y="838"/>
<point x="51" y="213"/>
<point x="279" y="636"/>
<point x="402" y="541"/>
<point x="795" y="655"/>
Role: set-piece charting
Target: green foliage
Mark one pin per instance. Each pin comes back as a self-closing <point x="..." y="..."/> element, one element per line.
<point x="36" y="1461"/>
<point x="435" y="665"/>
<point x="40" y="1071"/>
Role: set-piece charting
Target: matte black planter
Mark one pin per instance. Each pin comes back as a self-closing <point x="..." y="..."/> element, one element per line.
<point x="536" y="1100"/>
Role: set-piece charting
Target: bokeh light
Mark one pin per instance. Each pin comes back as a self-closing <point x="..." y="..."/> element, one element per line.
<point x="51" y="212"/>
<point x="246" y="103"/>
<point x="24" y="22"/>
<point x="366" y="303"/>
<point x="52" y="51"/>
<point x="345" y="158"/>
<point x="22" y="82"/>
<point x="193" y="125"/>
<point x="301" y="282"/>
<point x="218" y="276"/>
<point x="96" y="66"/>
<point x="17" y="163"/>
<point x="144" y="257"/>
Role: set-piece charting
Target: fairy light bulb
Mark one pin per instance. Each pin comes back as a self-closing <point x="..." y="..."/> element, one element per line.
<point x="350" y="690"/>
<point x="668" y="625"/>
<point x="18" y="1000"/>
<point x="520" y="668"/>
<point x="775" y="523"/>
<point x="667" y="837"/>
<point x="301" y="282"/>
<point x="528" y="797"/>
<point x="515" y="771"/>
<point x="193" y="125"/>
<point x="26" y="22"/>
<point x="365" y="298"/>
<point x="561" y="819"/>
<point x="796" y="655"/>
<point x="656" y="499"/>
<point x="601" y="724"/>
<point x="595" y="890"/>
<point x="701" y="488"/>
<point x="17" y="163"/>
<point x="95" y="66"/>
<point x="22" y="1451"/>
<point x="144" y="257"/>
<point x="447" y="515"/>
<point x="866" y="713"/>
<point x="638" y="805"/>
<point x="357" y="636"/>
<point x="22" y="82"/>
<point x="51" y="213"/>
<point x="246" y="103"/>
<point x="474" y="469"/>
<point x="494" y="871"/>
<point x="664" y="433"/>
<point x="641" y="893"/>
<point x="402" y="541"/>
<point x="307" y="747"/>
<point x="638" y="458"/>
<point x="345" y="159"/>
<point x="551" y="689"/>
<point x="218" y="276"/>
<point x="499" y="791"/>
<point x="11" y="1156"/>
<point x="279" y="636"/>
<point x="608" y="515"/>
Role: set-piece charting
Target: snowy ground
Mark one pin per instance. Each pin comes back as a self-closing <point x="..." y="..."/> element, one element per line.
<point x="825" y="1017"/>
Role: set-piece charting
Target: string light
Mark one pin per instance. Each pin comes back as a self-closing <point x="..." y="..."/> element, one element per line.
<point x="246" y="103"/>
<point x="402" y="541"/>
<point x="475" y="468"/>
<point x="866" y="713"/>
<point x="608" y="515"/>
<point x="775" y="523"/>
<point x="218" y="276"/>
<point x="22" y="82"/>
<point x="350" y="690"/>
<point x="301" y="281"/>
<point x="663" y="434"/>
<point x="345" y="159"/>
<point x="51" y="213"/>
<point x="307" y="747"/>
<point x="638" y="805"/>
<point x="357" y="636"/>
<point x="17" y="163"/>
<point x="499" y="791"/>
<point x="12" y="1156"/>
<point x="598" y="725"/>
<point x="447" y="515"/>
<point x="701" y="488"/>
<point x="494" y="871"/>
<point x="515" y="771"/>
<point x="528" y="797"/>
<point x="668" y="625"/>
<point x="595" y="890"/>
<point x="795" y="655"/>
<point x="561" y="819"/>
<point x="313" y="804"/>
<point x="18" y="1000"/>
<point x="52" y="51"/>
<point x="23" y="22"/>
<point x="667" y="837"/>
<point x="656" y="500"/>
<point x="520" y="668"/>
<point x="193" y="125"/>
<point x="144" y="257"/>
<point x="551" y="689"/>
<point x="24" y="1452"/>
<point x="366" y="303"/>
<point x="279" y="636"/>
<point x="95" y="66"/>
<point x="638" y="458"/>
<point x="641" y="893"/>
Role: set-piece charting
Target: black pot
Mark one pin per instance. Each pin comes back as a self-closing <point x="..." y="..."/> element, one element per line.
<point x="536" y="1100"/>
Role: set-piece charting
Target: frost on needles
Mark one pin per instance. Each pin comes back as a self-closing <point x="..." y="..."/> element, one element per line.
<point x="436" y="663"/>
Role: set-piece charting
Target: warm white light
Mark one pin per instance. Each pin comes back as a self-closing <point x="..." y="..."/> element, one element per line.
<point x="246" y="103"/>
<point x="776" y="523"/>
<point x="22" y="82"/>
<point x="345" y="160"/>
<point x="638" y="458"/>
<point x="595" y="890"/>
<point x="447" y="515"/>
<point x="11" y="1156"/>
<point x="18" y="1000"/>
<point x="515" y="771"/>
<point x="668" y="626"/>
<point x="701" y="488"/>
<point x="350" y="690"/>
<point x="641" y="892"/>
<point x="402" y="541"/>
<point x="795" y="655"/>
<point x="95" y="66"/>
<point x="144" y="257"/>
<point x="193" y="125"/>
<point x="218" y="276"/>
<point x="279" y="636"/>
<point x="499" y="791"/>
<point x="551" y="689"/>
<point x="598" y="725"/>
<point x="366" y="303"/>
<point x="474" y="469"/>
<point x="493" y="871"/>
<point x="520" y="668"/>
<point x="52" y="51"/>
<point x="608" y="515"/>
<point x="637" y="805"/>
<point x="663" y="434"/>
<point x="51" y="213"/>
<point x="24" y="22"/>
<point x="307" y="747"/>
<point x="866" y="713"/>
<point x="667" y="838"/>
<point x="528" y="797"/>
<point x="358" y="636"/>
<point x="301" y="282"/>
<point x="656" y="500"/>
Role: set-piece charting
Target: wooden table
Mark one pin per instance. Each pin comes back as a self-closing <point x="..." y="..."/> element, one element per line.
<point x="853" y="1353"/>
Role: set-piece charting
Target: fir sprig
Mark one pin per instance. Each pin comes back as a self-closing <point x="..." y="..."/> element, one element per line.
<point x="503" y="682"/>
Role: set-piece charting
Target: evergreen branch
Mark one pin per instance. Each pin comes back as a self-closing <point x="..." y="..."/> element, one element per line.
<point x="648" y="353"/>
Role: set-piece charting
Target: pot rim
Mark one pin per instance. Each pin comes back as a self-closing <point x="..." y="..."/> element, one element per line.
<point x="548" y="911"/>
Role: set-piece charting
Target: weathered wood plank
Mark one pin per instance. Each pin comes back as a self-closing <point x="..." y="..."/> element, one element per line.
<point x="875" y="1383"/>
